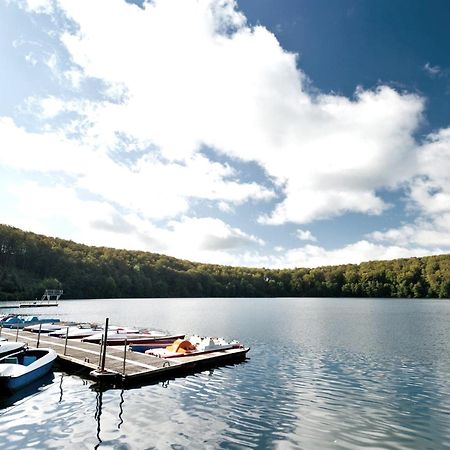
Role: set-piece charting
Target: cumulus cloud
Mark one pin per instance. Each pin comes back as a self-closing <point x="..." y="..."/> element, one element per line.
<point x="305" y="235"/>
<point x="431" y="70"/>
<point x="185" y="75"/>
<point x="198" y="75"/>
<point x="429" y="195"/>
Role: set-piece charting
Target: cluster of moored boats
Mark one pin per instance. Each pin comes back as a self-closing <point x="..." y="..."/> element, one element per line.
<point x="20" y="365"/>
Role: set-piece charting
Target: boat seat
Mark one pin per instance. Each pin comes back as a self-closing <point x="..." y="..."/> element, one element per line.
<point x="11" y="360"/>
<point x="27" y="360"/>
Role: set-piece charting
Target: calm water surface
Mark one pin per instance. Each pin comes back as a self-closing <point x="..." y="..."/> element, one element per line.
<point x="321" y="374"/>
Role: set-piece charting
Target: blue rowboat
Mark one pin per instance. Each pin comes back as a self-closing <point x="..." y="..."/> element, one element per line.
<point x="19" y="369"/>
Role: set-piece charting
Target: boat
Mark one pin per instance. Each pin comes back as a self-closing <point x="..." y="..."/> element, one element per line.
<point x="21" y="322"/>
<point x="20" y="369"/>
<point x="119" y="338"/>
<point x="6" y="348"/>
<point x="141" y="347"/>
<point x="195" y="345"/>
<point x="75" y="332"/>
<point x="48" y="327"/>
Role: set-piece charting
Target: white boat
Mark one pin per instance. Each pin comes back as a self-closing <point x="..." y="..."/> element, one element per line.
<point x="19" y="369"/>
<point x="7" y="348"/>
<point x="75" y="332"/>
<point x="48" y="327"/>
<point x="117" y="336"/>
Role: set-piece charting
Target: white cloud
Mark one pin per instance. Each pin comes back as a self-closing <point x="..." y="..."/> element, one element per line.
<point x="433" y="71"/>
<point x="198" y="75"/>
<point x="429" y="196"/>
<point x="39" y="6"/>
<point x="185" y="74"/>
<point x="305" y="235"/>
<point x="150" y="186"/>
<point x="314" y="256"/>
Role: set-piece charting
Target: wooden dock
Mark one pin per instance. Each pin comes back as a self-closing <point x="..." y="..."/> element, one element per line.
<point x="121" y="365"/>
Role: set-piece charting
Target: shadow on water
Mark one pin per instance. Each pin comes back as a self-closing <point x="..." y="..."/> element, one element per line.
<point x="9" y="398"/>
<point x="163" y="379"/>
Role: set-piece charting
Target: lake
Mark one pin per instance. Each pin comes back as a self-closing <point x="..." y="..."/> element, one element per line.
<point x="321" y="374"/>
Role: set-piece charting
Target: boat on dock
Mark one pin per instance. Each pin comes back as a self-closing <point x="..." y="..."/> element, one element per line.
<point x="151" y="338"/>
<point x="24" y="367"/>
<point x="76" y="331"/>
<point x="48" y="327"/>
<point x="119" y="365"/>
<point x="6" y="348"/>
<point x="24" y="321"/>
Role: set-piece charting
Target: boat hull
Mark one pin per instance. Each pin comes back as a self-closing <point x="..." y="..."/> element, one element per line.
<point x="14" y="383"/>
<point x="155" y="341"/>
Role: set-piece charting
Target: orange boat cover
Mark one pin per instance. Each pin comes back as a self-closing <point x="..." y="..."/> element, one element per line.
<point x="180" y="346"/>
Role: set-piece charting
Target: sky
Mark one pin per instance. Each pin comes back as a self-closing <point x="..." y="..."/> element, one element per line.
<point x="262" y="133"/>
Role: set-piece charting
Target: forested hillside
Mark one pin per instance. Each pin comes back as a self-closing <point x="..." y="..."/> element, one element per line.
<point x="30" y="263"/>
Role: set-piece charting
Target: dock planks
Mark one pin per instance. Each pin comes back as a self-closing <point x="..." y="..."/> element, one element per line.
<point x="138" y="366"/>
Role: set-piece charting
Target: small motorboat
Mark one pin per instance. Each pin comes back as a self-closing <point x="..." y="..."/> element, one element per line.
<point x="6" y="348"/>
<point x="152" y="337"/>
<point x="22" y="322"/>
<point x="74" y="332"/>
<point x="48" y="327"/>
<point x="19" y="369"/>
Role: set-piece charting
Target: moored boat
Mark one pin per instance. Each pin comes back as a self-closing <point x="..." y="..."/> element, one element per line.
<point x="75" y="332"/>
<point x="21" y="322"/>
<point x="48" y="327"/>
<point x="24" y="367"/>
<point x="6" y="348"/>
<point x="156" y="338"/>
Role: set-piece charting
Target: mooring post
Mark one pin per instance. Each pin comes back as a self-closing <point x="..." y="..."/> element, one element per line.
<point x="39" y="335"/>
<point x="105" y="341"/>
<point x="124" y="355"/>
<point x="100" y="353"/>
<point x="17" y="332"/>
<point x="65" y="343"/>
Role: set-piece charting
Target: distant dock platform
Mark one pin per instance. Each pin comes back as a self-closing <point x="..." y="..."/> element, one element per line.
<point x="29" y="304"/>
<point x="50" y="297"/>
<point x="122" y="365"/>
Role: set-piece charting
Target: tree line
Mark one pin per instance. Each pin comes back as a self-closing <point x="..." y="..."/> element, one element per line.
<point x="31" y="263"/>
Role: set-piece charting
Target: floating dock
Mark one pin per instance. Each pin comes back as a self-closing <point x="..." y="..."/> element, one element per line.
<point x="50" y="297"/>
<point x="121" y="365"/>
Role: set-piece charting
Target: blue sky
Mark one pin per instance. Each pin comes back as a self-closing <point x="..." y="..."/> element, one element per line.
<point x="269" y="133"/>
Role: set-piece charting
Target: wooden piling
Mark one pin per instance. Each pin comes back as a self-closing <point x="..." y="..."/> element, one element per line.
<point x="105" y="341"/>
<point x="124" y="356"/>
<point x="39" y="335"/>
<point x="65" y="343"/>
